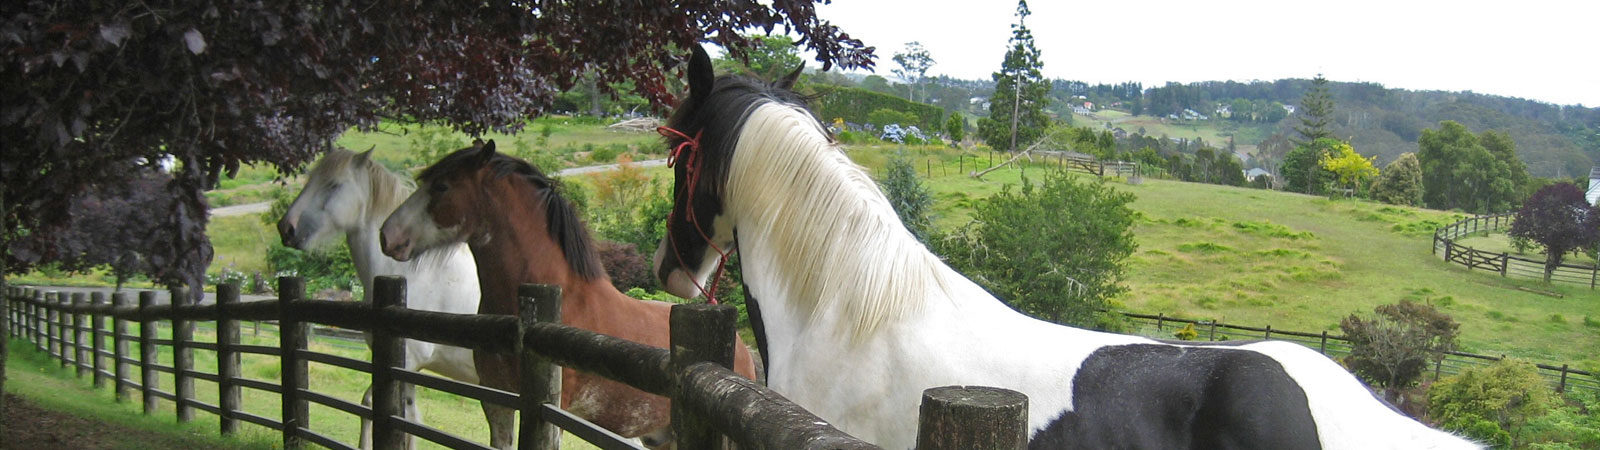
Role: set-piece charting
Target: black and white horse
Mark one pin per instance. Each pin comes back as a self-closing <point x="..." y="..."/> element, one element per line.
<point x="858" y="317"/>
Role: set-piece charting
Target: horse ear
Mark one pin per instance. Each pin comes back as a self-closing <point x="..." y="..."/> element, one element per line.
<point x="366" y="155"/>
<point x="485" y="152"/>
<point x="787" y="82"/>
<point x="701" y="75"/>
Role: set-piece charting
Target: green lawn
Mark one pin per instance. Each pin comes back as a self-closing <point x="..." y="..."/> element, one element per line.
<point x="42" y="380"/>
<point x="1295" y="262"/>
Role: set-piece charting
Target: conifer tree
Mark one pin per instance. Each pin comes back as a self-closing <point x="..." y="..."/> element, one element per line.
<point x="1016" y="110"/>
<point x="1316" y="106"/>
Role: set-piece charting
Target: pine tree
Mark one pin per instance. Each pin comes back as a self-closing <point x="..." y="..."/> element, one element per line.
<point x="1316" y="107"/>
<point x="1013" y="124"/>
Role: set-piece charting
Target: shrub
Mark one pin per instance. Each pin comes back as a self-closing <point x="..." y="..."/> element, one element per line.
<point x="1187" y="333"/>
<point x="1392" y="347"/>
<point x="628" y="268"/>
<point x="885" y="117"/>
<point x="1491" y="403"/>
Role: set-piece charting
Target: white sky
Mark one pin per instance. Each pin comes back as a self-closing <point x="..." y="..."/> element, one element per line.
<point x="1543" y="50"/>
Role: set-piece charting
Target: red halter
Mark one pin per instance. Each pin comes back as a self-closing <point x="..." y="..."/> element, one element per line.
<point x="692" y="146"/>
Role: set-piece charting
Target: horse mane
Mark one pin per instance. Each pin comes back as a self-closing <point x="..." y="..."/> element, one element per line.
<point x="561" y="219"/>
<point x="386" y="190"/>
<point x="845" y="248"/>
<point x="721" y="115"/>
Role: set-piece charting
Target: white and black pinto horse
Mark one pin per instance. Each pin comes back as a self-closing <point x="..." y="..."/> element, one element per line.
<point x="857" y="318"/>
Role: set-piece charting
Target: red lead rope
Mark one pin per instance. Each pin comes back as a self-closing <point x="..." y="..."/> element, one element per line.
<point x="692" y="146"/>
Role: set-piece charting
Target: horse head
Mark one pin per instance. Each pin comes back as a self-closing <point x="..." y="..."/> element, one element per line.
<point x="701" y="134"/>
<point x="443" y="209"/>
<point x="335" y="200"/>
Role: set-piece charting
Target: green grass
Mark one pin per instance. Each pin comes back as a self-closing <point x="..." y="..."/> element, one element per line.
<point x="240" y="243"/>
<point x="1296" y="262"/>
<point x="1499" y="242"/>
<point x="44" y="381"/>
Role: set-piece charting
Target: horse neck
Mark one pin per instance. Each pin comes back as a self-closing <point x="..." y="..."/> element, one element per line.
<point x="512" y="251"/>
<point x="385" y="192"/>
<point x="817" y="235"/>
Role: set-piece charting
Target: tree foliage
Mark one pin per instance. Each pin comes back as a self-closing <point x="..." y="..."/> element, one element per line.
<point x="956" y="128"/>
<point x="770" y="58"/>
<point x="1352" y="169"/>
<point x="1392" y="348"/>
<point x="1559" y="218"/>
<point x="910" y="198"/>
<point x="1400" y="183"/>
<point x="1316" y="109"/>
<point x="1473" y="173"/>
<point x="856" y="105"/>
<point x="1016" y="110"/>
<point x="1302" y="168"/>
<point x="1053" y="249"/>
<point x="914" y="63"/>
<point x="117" y="225"/>
<point x="1492" y="403"/>
<point x="93" y="87"/>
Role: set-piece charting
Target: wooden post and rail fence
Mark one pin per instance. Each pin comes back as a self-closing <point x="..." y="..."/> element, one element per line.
<point x="711" y="404"/>
<point x="1444" y="242"/>
<point x="1562" y="378"/>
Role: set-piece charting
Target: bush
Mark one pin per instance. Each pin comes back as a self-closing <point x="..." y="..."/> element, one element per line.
<point x="628" y="268"/>
<point x="1492" y="403"/>
<point x="885" y="117"/>
<point x="1187" y="333"/>
<point x="1392" y="347"/>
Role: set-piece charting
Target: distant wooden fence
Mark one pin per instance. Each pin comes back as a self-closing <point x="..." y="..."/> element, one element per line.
<point x="709" y="399"/>
<point x="1561" y="378"/>
<point x="1444" y="240"/>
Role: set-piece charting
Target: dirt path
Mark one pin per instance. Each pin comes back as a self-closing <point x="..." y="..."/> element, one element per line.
<point x="29" y="426"/>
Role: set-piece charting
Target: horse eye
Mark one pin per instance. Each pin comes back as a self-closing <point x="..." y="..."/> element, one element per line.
<point x="438" y="188"/>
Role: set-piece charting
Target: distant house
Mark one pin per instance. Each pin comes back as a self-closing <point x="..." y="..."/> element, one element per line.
<point x="1081" y="110"/>
<point x="1119" y="132"/>
<point x="1289" y="108"/>
<point x="1255" y="172"/>
<point x="1594" y="186"/>
<point x="1089" y="105"/>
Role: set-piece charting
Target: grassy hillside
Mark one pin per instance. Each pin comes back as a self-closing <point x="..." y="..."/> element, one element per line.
<point x="1298" y="262"/>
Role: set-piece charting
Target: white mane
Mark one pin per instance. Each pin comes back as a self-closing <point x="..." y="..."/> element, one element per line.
<point x="831" y="222"/>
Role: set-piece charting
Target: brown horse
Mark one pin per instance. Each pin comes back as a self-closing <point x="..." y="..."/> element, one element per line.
<point x="521" y="230"/>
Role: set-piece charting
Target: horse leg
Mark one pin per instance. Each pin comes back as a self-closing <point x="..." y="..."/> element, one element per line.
<point x="366" y="424"/>
<point x="502" y="425"/>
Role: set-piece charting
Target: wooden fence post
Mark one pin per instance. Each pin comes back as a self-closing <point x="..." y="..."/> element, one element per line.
<point x="1213" y="329"/>
<point x="1563" y="386"/>
<point x="1505" y="262"/>
<point x="293" y="377"/>
<point x="182" y="357"/>
<point x="1323" y="347"/>
<point x="56" y="335"/>
<point x="119" y="348"/>
<point x="227" y="357"/>
<point x="79" y="361"/>
<point x="97" y="334"/>
<point x="1268" y="334"/>
<point x="388" y="354"/>
<point x="1438" y="365"/>
<point x="38" y="313"/>
<point x="972" y="417"/>
<point x="147" y="351"/>
<point x="1160" y="318"/>
<point x="700" y="333"/>
<point x="541" y="379"/>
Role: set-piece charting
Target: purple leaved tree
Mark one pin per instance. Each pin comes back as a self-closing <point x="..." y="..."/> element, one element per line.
<point x="1560" y="219"/>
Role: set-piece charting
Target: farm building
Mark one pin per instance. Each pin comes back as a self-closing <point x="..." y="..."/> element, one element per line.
<point x="1594" y="186"/>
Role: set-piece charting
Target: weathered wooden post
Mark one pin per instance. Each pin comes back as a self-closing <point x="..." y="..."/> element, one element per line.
<point x="972" y="417"/>
<point x="80" y="357"/>
<point x="147" y="351"/>
<point x="182" y="356"/>
<point x="41" y="322"/>
<point x="97" y="335"/>
<point x="119" y="348"/>
<point x="1161" y="318"/>
<point x="699" y="333"/>
<point x="1268" y="333"/>
<point x="227" y="357"/>
<point x="541" y="379"/>
<point x="1563" y="386"/>
<point x="1323" y="347"/>
<point x="52" y="329"/>
<point x="388" y="354"/>
<point x="293" y="374"/>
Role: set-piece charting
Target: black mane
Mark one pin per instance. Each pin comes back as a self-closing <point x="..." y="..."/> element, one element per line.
<point x="561" y="218"/>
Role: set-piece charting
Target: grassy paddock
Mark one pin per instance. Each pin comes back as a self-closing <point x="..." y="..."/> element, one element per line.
<point x="51" y="385"/>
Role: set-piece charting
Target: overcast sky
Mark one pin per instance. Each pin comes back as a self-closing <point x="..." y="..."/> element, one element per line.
<point x="1536" y="49"/>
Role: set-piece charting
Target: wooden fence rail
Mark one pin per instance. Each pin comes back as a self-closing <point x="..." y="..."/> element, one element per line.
<point x="1444" y="241"/>
<point x="1561" y="378"/>
<point x="710" y="400"/>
